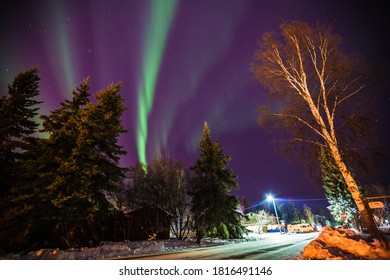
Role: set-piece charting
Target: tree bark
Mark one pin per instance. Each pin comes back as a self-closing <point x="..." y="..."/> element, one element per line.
<point x="291" y="62"/>
<point x="361" y="204"/>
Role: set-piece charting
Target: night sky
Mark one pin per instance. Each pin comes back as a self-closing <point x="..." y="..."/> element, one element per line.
<point x="182" y="63"/>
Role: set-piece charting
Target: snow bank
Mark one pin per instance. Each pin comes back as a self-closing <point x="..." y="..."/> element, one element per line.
<point x="108" y="250"/>
<point x="105" y="250"/>
<point x="344" y="244"/>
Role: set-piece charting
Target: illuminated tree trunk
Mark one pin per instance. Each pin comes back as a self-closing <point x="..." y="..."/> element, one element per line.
<point x="313" y="79"/>
<point x="356" y="195"/>
<point x="350" y="181"/>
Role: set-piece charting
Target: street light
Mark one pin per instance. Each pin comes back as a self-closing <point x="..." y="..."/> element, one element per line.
<point x="271" y="198"/>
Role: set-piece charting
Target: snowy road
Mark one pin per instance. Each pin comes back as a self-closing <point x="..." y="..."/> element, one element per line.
<point x="274" y="247"/>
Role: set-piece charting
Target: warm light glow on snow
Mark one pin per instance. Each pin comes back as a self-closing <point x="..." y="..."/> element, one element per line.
<point x="344" y="244"/>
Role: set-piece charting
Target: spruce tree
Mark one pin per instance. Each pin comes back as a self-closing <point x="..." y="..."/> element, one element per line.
<point x="214" y="208"/>
<point x="245" y="203"/>
<point x="293" y="213"/>
<point x="308" y="214"/>
<point x="79" y="163"/>
<point x="283" y="212"/>
<point x="18" y="145"/>
<point x="336" y="192"/>
<point x="17" y="127"/>
<point x="52" y="173"/>
<point x="95" y="158"/>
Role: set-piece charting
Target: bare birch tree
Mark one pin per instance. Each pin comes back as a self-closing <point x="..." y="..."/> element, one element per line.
<point x="315" y="86"/>
<point x="167" y="187"/>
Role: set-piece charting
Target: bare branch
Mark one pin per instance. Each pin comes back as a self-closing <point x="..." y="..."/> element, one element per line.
<point x="287" y="74"/>
<point x="302" y="74"/>
<point x="302" y="121"/>
<point x="316" y="48"/>
<point x="309" y="141"/>
<point x="352" y="94"/>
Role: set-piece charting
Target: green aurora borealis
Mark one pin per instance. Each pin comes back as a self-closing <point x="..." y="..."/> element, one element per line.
<point x="180" y="63"/>
<point x="159" y="22"/>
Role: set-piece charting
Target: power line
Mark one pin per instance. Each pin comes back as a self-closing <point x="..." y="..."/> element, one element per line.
<point x="300" y="199"/>
<point x="286" y="199"/>
<point x="261" y="203"/>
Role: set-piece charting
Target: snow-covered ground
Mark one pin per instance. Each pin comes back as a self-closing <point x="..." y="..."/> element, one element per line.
<point x="109" y="250"/>
<point x="344" y="244"/>
<point x="330" y="244"/>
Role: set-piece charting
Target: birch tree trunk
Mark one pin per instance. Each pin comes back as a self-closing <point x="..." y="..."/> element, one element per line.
<point x="362" y="206"/>
<point x="307" y="71"/>
<point x="350" y="181"/>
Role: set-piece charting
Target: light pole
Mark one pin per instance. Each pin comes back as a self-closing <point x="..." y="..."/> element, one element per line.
<point x="271" y="198"/>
